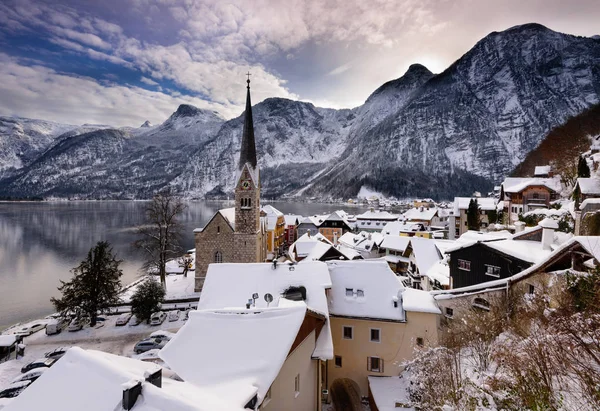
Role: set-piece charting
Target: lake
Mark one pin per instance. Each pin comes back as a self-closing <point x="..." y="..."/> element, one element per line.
<point x="41" y="241"/>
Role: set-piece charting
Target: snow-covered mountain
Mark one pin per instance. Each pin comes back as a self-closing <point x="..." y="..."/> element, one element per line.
<point x="419" y="135"/>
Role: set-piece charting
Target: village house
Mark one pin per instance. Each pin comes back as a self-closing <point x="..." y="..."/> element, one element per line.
<point x="334" y="226"/>
<point x="543" y="172"/>
<point x="493" y="257"/>
<point x="376" y="322"/>
<point x="586" y="188"/>
<point x="427" y="216"/>
<point x="309" y="224"/>
<point x="577" y="254"/>
<point x="273" y="359"/>
<point x="374" y="220"/>
<point x="365" y="243"/>
<point x="235" y="234"/>
<point x="405" y="229"/>
<point x="275" y="231"/>
<point x="318" y="248"/>
<point x="397" y="253"/>
<point x="487" y="206"/>
<point x="290" y="232"/>
<point x="520" y="195"/>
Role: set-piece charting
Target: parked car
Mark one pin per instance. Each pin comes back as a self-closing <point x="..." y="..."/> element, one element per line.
<point x="149" y="344"/>
<point x="163" y="335"/>
<point x="174" y="315"/>
<point x="55" y="326"/>
<point x="158" y="318"/>
<point x="57" y="352"/>
<point x="123" y="319"/>
<point x="134" y="320"/>
<point x="41" y="363"/>
<point x="30" y="375"/>
<point x="15" y="389"/>
<point x="77" y="324"/>
<point x="30" y="329"/>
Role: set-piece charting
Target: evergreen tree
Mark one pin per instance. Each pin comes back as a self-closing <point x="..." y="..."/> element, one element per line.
<point x="473" y="215"/>
<point x="147" y="299"/>
<point x="95" y="285"/>
<point x="583" y="170"/>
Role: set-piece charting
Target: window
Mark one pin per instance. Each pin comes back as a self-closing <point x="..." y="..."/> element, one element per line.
<point x="531" y="289"/>
<point x="218" y="229"/>
<point x="297" y="384"/>
<point x="347" y="332"/>
<point x="349" y="292"/>
<point x="464" y="265"/>
<point x="420" y="341"/>
<point x="246" y="202"/>
<point x="218" y="257"/>
<point x="374" y="364"/>
<point x="492" y="270"/>
<point x="360" y="293"/>
<point x="338" y="361"/>
<point x="481" y="303"/>
<point x="465" y="224"/>
<point x="375" y="335"/>
<point x="449" y="312"/>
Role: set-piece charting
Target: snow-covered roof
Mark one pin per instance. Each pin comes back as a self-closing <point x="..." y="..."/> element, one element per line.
<point x="439" y="272"/>
<point x="231" y="285"/>
<point x="374" y="288"/>
<point x="542" y="170"/>
<point x="518" y="184"/>
<point x="395" y="242"/>
<point x="305" y="244"/>
<point x="426" y="253"/>
<point x="316" y="220"/>
<point x="273" y="215"/>
<point x="589" y="186"/>
<point x="348" y="252"/>
<point x="421" y="213"/>
<point x="484" y="203"/>
<point x="587" y="202"/>
<point x="395" y="259"/>
<point x="530" y="251"/>
<point x="317" y="250"/>
<point x="387" y="391"/>
<point x="7" y="340"/>
<point x="235" y="353"/>
<point x="290" y="219"/>
<point x="229" y="215"/>
<point x="377" y="215"/>
<point x="94" y="381"/>
<point x="397" y="227"/>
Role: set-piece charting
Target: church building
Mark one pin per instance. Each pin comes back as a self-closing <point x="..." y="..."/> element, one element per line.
<point x="237" y="234"/>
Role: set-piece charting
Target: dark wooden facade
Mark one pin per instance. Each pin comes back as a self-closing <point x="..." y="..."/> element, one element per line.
<point x="480" y="257"/>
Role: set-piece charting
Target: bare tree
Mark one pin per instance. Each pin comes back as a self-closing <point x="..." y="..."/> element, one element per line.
<point x="161" y="235"/>
<point x="185" y="262"/>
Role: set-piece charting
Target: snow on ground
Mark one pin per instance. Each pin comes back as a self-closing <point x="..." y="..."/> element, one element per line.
<point x="108" y="338"/>
<point x="389" y="391"/>
<point x="178" y="287"/>
<point x="366" y="192"/>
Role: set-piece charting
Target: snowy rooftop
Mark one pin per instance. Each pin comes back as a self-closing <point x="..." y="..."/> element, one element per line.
<point x="305" y="244"/>
<point x="231" y="285"/>
<point x="397" y="227"/>
<point x="426" y="253"/>
<point x="518" y="184"/>
<point x="241" y="355"/>
<point x="421" y="213"/>
<point x="542" y="170"/>
<point x="439" y="272"/>
<point x="367" y="289"/>
<point x="530" y="251"/>
<point x="377" y="215"/>
<point x="387" y="391"/>
<point x="7" y="340"/>
<point x="484" y="203"/>
<point x="94" y="381"/>
<point x="589" y="186"/>
<point x="395" y="242"/>
<point x="291" y="219"/>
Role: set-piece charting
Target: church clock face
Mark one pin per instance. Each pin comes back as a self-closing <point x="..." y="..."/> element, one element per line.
<point x="246" y="185"/>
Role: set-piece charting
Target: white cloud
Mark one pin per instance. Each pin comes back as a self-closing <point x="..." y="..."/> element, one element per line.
<point x="339" y="70"/>
<point x="148" y="81"/>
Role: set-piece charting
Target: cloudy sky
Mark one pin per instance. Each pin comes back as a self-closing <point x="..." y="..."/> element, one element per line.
<point x="121" y="62"/>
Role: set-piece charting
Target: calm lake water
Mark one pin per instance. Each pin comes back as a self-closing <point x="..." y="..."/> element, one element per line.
<point x="41" y="242"/>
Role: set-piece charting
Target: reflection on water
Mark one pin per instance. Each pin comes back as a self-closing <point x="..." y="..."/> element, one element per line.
<point x="41" y="242"/>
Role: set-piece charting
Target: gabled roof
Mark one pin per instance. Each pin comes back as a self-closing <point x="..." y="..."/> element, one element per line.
<point x="235" y="353"/>
<point x="421" y="213"/>
<point x="397" y="227"/>
<point x="377" y="215"/>
<point x="292" y="219"/>
<point x="395" y="242"/>
<point x="542" y="170"/>
<point x="589" y="186"/>
<point x="484" y="203"/>
<point x="273" y="215"/>
<point x="426" y="253"/>
<point x="231" y="285"/>
<point x="93" y="381"/>
<point x="518" y="184"/>
<point x="304" y="245"/>
<point x="380" y="288"/>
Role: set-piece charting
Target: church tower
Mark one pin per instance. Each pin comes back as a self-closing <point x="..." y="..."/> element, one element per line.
<point x="248" y="236"/>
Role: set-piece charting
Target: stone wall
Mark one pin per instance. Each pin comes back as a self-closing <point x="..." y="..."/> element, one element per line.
<point x="216" y="236"/>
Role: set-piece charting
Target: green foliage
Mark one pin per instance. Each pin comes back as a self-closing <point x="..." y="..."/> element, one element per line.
<point x="147" y="299"/>
<point x="583" y="171"/>
<point x="585" y="290"/>
<point x="591" y="224"/>
<point x="473" y="215"/>
<point x="531" y="220"/>
<point x="493" y="216"/>
<point x="95" y="284"/>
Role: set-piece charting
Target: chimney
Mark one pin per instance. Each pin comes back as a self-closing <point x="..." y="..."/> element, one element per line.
<point x="335" y="238"/>
<point x="154" y="378"/>
<point x="548" y="227"/>
<point x="519" y="226"/>
<point x="308" y="232"/>
<point x="451" y="226"/>
<point x="131" y="392"/>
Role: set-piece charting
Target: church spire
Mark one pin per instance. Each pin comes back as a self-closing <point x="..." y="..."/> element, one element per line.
<point x="248" y="149"/>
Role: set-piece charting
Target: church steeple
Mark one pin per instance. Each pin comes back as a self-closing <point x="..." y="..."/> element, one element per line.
<point x="248" y="149"/>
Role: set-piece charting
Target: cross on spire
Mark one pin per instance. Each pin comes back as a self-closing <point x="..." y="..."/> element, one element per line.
<point x="248" y="81"/>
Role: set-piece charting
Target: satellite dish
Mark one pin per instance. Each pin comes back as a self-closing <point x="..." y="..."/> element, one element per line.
<point x="268" y="298"/>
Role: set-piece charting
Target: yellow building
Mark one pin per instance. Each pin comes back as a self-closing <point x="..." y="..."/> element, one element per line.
<point x="275" y="230"/>
<point x="376" y="322"/>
